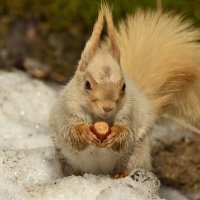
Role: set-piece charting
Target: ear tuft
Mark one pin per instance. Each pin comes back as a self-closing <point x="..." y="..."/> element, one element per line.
<point x="114" y="48"/>
<point x="92" y="44"/>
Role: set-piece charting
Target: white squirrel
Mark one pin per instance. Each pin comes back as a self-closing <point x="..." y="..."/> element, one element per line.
<point x="145" y="70"/>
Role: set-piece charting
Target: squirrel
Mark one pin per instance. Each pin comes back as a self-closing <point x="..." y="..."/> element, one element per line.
<point x="145" y="70"/>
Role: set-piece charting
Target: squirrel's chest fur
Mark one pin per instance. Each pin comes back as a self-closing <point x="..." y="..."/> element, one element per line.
<point x="93" y="160"/>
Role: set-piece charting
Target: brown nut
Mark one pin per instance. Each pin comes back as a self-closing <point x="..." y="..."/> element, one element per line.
<point x="101" y="130"/>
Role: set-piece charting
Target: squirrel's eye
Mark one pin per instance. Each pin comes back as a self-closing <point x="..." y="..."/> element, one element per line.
<point x="88" y="85"/>
<point x="123" y="87"/>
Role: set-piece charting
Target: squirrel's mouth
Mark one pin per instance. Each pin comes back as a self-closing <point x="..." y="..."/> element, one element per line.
<point x="104" y="115"/>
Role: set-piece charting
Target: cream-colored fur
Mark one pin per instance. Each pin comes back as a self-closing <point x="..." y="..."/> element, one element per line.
<point x="79" y="106"/>
<point x="161" y="54"/>
<point x="156" y="57"/>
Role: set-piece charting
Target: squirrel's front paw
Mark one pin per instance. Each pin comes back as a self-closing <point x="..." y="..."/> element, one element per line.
<point x="86" y="135"/>
<point x="116" y="137"/>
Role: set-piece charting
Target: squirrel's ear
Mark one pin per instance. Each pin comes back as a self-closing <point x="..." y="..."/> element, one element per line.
<point x="92" y="44"/>
<point x="114" y="47"/>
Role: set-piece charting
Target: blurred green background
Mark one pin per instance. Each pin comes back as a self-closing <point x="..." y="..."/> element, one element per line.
<point x="54" y="31"/>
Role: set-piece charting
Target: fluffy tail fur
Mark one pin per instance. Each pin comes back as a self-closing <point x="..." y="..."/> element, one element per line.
<point x="161" y="54"/>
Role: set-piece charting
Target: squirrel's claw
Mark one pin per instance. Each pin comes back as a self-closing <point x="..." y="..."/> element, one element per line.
<point x="121" y="175"/>
<point x="89" y="138"/>
<point x="115" y="136"/>
<point x="85" y="134"/>
<point x="111" y="139"/>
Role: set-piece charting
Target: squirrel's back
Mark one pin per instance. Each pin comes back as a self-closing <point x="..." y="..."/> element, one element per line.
<point x="161" y="54"/>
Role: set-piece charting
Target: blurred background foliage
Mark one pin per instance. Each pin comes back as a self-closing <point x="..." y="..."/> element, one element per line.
<point x="63" y="26"/>
<point x="61" y="14"/>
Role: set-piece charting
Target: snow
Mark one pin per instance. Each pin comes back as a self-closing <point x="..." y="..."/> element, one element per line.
<point x="27" y="164"/>
<point x="31" y="174"/>
<point x="73" y="188"/>
<point x="169" y="193"/>
<point x="139" y="185"/>
<point x="167" y="132"/>
<point x="24" y="168"/>
<point x="25" y="105"/>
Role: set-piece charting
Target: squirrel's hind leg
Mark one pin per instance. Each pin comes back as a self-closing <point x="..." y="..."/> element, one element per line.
<point x="64" y="168"/>
<point x="140" y="157"/>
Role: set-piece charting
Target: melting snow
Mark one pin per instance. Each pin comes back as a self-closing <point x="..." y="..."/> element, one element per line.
<point x="27" y="165"/>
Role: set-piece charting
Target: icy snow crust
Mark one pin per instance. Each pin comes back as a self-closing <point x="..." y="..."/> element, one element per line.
<point x="27" y="164"/>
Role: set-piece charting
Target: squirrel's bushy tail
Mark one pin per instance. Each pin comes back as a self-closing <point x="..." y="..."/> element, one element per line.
<point x="161" y="54"/>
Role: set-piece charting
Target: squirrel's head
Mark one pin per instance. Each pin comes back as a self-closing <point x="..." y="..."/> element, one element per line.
<point x="99" y="73"/>
<point x="102" y="84"/>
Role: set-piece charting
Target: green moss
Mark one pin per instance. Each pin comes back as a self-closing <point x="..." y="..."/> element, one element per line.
<point x="61" y="14"/>
<point x="64" y="25"/>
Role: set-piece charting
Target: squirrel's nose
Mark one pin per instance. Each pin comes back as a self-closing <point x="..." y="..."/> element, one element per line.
<point x="107" y="109"/>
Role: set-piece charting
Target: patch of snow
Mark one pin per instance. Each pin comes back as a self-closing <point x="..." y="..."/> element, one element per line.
<point x="139" y="185"/>
<point x="24" y="110"/>
<point x="24" y="168"/>
<point x="167" y="131"/>
<point x="171" y="194"/>
<point x="72" y="188"/>
<point x="31" y="174"/>
<point x="27" y="164"/>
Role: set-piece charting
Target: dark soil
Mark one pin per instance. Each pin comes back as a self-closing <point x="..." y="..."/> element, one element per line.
<point x="61" y="51"/>
<point x="178" y="164"/>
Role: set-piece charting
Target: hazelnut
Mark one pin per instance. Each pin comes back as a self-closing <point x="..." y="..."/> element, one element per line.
<point x="101" y="129"/>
